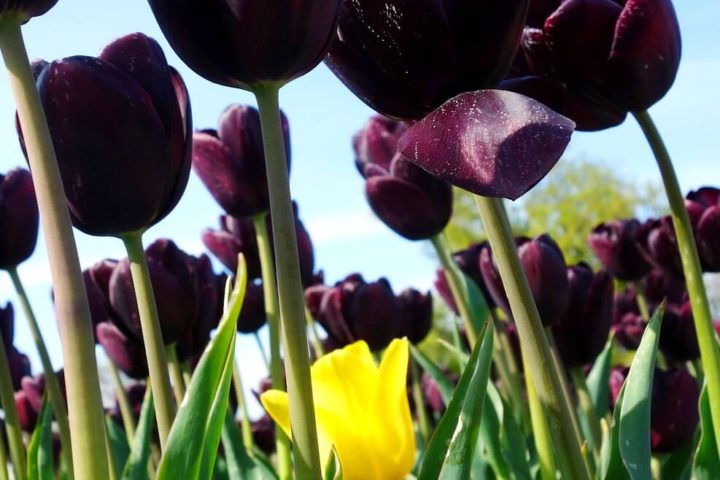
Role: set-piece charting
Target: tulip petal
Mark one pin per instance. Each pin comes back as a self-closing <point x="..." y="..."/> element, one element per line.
<point x="491" y="142"/>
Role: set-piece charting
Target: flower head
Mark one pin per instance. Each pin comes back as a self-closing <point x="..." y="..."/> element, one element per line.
<point x="362" y="411"/>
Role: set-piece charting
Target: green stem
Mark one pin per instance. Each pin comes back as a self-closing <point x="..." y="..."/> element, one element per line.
<point x="152" y="336"/>
<point x="514" y="381"/>
<point x="111" y="457"/>
<point x="246" y="428"/>
<point x="124" y="403"/>
<point x="314" y="335"/>
<point x="55" y="396"/>
<point x="272" y="307"/>
<point x="588" y="409"/>
<point x="4" y="475"/>
<point x="290" y="292"/>
<point x="178" y="382"/>
<point x="455" y="280"/>
<point x="540" y="430"/>
<point x="709" y="348"/>
<point x="71" y="306"/>
<point x="641" y="301"/>
<point x="419" y="399"/>
<point x="533" y="341"/>
<point x="12" y="423"/>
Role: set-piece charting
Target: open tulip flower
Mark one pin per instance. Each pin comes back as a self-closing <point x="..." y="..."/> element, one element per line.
<point x="362" y="411"/>
<point x="18" y="218"/>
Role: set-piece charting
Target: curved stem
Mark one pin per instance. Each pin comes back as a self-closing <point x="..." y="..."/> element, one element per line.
<point x="272" y="307"/>
<point x="71" y="306"/>
<point x="55" y="396"/>
<point x="12" y="422"/>
<point x="246" y="428"/>
<point x="152" y="337"/>
<point x="709" y="348"/>
<point x="178" y="382"/>
<point x="641" y="301"/>
<point x="291" y="299"/>
<point x="454" y="277"/>
<point x="534" y="343"/>
<point x="124" y="403"/>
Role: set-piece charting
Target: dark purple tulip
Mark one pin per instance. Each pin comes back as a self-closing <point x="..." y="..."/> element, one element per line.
<point x="543" y="89"/>
<point x="263" y="433"/>
<point x="136" y="396"/>
<point x="376" y="143"/>
<point x="469" y="262"/>
<point x="405" y="58"/>
<point x="662" y="246"/>
<point x="34" y="388"/>
<point x="18" y="218"/>
<point x="628" y="330"/>
<point x="678" y="339"/>
<point x="491" y="142"/>
<point x="235" y="235"/>
<point x="704" y="209"/>
<point x="674" y="412"/>
<point x="618" y="55"/>
<point x="27" y="415"/>
<point x="241" y="43"/>
<point x="231" y="161"/>
<point x="625" y="302"/>
<point x="252" y="314"/>
<point x="544" y="265"/>
<point x="416" y="315"/>
<point x="618" y="246"/>
<point x="127" y="353"/>
<point x="582" y="332"/>
<point x="121" y="126"/>
<point x="24" y="10"/>
<point x="174" y="285"/>
<point x="19" y="365"/>
<point x="97" y="286"/>
<point x="661" y="284"/>
<point x="7" y="325"/>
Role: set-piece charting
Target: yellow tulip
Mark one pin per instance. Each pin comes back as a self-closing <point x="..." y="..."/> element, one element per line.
<point x="361" y="410"/>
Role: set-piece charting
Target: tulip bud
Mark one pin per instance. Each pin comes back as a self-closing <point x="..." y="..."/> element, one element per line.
<point x="7" y="325"/>
<point x="674" y="412"/>
<point x="125" y="352"/>
<point x="704" y="209"/>
<point x="235" y="236"/>
<point x="416" y="315"/>
<point x="18" y="218"/>
<point x="121" y="127"/>
<point x="614" y="56"/>
<point x="544" y="265"/>
<point x="19" y="365"/>
<point x="252" y="314"/>
<point x="244" y="44"/>
<point x="617" y="246"/>
<point x="404" y="59"/>
<point x="231" y="161"/>
<point x="662" y="246"/>
<point x="34" y="388"/>
<point x="582" y="333"/>
<point x="678" y="339"/>
<point x="25" y="9"/>
<point x="97" y="286"/>
<point x="27" y="415"/>
<point x="625" y="302"/>
<point x="628" y="330"/>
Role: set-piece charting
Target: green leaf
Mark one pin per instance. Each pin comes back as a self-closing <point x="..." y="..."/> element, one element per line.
<point x="456" y="434"/>
<point x="195" y="434"/>
<point x="239" y="464"/>
<point x="707" y="463"/>
<point x="445" y="386"/>
<point x="491" y="446"/>
<point x="40" y="451"/>
<point x="635" y="411"/>
<point x="136" y="467"/>
<point x="476" y="302"/>
<point x="611" y="463"/>
<point x="677" y="465"/>
<point x="514" y="445"/>
<point x="118" y="445"/>
<point x="598" y="381"/>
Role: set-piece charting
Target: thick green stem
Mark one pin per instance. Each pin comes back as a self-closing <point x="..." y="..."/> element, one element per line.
<point x="419" y="399"/>
<point x="588" y="409"/>
<point x="455" y="280"/>
<point x="246" y="428"/>
<point x="12" y="423"/>
<point x="533" y="341"/>
<point x="152" y="336"/>
<point x="124" y="403"/>
<point x="85" y="410"/>
<point x="514" y="379"/>
<point x="291" y="299"/>
<point x="55" y="396"/>
<point x="178" y="382"/>
<point x="709" y="348"/>
<point x="272" y="307"/>
<point x="540" y="430"/>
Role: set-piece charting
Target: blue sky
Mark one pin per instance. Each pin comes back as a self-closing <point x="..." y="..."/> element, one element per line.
<point x="323" y="117"/>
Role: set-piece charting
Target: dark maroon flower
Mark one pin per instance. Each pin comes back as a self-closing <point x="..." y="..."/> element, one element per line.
<point x="136" y="396"/>
<point x="97" y="286"/>
<point x="662" y="246"/>
<point x="27" y="415"/>
<point x="628" y="330"/>
<point x="252" y="314"/>
<point x="19" y="364"/>
<point x="24" y="10"/>
<point x="431" y="392"/>
<point x="674" y="411"/>
<point x="625" y="302"/>
<point x="121" y="127"/>
<point x="174" y="285"/>
<point x="7" y="325"/>
<point x="491" y="142"/>
<point x="543" y="89"/>
<point x="582" y="332"/>
<point x="618" y="246"/>
<point x="544" y="265"/>
<point x="231" y="161"/>
<point x="34" y="388"/>
<point x="18" y="217"/>
<point x="678" y="339"/>
<point x="469" y="262"/>
<point x="404" y="59"/>
<point x="241" y="43"/>
<point x="127" y="353"/>
<point x="617" y="56"/>
<point x="263" y="433"/>
<point x="416" y="317"/>
<point x="617" y="378"/>
<point x="704" y="208"/>
<point x="661" y="284"/>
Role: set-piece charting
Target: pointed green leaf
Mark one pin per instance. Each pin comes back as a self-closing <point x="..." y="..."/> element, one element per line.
<point x="445" y="386"/>
<point x="678" y="464"/>
<point x="118" y="445"/>
<point x="635" y="412"/>
<point x="598" y="381"/>
<point x="40" y="451"/>
<point x="136" y="467"/>
<point x="611" y="464"/>
<point x="491" y="446"/>
<point x="198" y="424"/>
<point x="707" y="463"/>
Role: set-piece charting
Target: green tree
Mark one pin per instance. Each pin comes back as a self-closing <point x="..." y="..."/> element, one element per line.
<point x="576" y="196"/>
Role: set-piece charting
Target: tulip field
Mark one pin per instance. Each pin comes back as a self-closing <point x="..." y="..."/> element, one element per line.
<point x="519" y="364"/>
